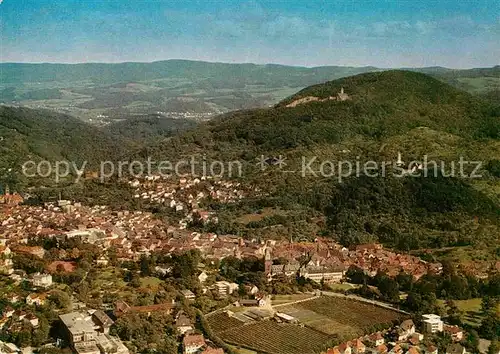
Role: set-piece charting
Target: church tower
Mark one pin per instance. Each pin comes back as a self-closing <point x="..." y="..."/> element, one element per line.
<point x="268" y="262"/>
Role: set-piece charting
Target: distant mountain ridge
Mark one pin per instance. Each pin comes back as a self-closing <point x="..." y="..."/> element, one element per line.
<point x="100" y="93"/>
<point x="11" y="73"/>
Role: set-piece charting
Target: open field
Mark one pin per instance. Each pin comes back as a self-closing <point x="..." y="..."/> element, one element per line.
<point x="285" y="299"/>
<point x="471" y="309"/>
<point x="276" y="338"/>
<point x="245" y="219"/>
<point x="333" y="315"/>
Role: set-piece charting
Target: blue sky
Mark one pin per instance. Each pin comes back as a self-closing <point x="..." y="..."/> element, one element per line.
<point x="452" y="33"/>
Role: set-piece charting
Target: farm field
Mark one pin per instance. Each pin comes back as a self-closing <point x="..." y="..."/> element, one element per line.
<point x="321" y="320"/>
<point x="239" y="350"/>
<point x="338" y="316"/>
<point x="220" y="322"/>
<point x="276" y="338"/>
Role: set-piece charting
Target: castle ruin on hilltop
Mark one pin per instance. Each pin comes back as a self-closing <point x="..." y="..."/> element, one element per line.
<point x="341" y="96"/>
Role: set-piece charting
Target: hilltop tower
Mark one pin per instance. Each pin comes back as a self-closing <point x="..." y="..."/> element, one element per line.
<point x="400" y="161"/>
<point x="342" y="96"/>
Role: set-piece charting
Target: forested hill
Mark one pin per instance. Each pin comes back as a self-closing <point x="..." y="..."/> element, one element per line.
<point x="380" y="106"/>
<point x="385" y="113"/>
<point x="27" y="134"/>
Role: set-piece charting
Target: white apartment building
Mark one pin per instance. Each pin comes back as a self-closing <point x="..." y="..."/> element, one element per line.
<point x="432" y="323"/>
<point x="225" y="288"/>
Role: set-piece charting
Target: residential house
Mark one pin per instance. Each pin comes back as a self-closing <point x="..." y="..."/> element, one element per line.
<point x="210" y="350"/>
<point x="397" y="349"/>
<point x="9" y="348"/>
<point x="188" y="294"/>
<point x="31" y="319"/>
<point x="405" y="330"/>
<point x="381" y="349"/>
<point x="102" y="321"/>
<point x="6" y="263"/>
<point x="193" y="343"/>
<point x="377" y="339"/>
<point x="456" y="333"/>
<point x="13" y="298"/>
<point x="431" y="349"/>
<point x="183" y="323"/>
<point x="251" y="289"/>
<point x="102" y="261"/>
<point x="8" y="311"/>
<point x="252" y="302"/>
<point x="344" y="348"/>
<point x="358" y="347"/>
<point x="203" y="277"/>
<point x="36" y="299"/>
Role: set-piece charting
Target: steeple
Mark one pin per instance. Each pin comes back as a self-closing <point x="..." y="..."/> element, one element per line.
<point x="268" y="261"/>
<point x="268" y="254"/>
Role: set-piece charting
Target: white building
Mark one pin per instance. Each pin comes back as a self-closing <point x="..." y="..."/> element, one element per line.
<point x="225" y="288"/>
<point x="202" y="277"/>
<point x="84" y="338"/>
<point x="42" y="280"/>
<point x="432" y="323"/>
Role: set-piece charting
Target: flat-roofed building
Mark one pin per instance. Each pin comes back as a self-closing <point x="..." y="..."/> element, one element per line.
<point x="84" y="336"/>
<point x="80" y="327"/>
<point x="432" y="323"/>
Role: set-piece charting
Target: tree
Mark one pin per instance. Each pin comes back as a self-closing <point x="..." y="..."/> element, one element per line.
<point x="356" y="275"/>
<point x="454" y="314"/>
<point x="389" y="289"/>
<point x="41" y="334"/>
<point x="60" y="299"/>
<point x="494" y="347"/>
<point x="472" y="341"/>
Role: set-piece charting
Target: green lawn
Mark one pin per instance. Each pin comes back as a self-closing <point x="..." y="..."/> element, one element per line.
<point x="344" y="286"/>
<point x="284" y="299"/>
<point x="471" y="309"/>
<point x="150" y="282"/>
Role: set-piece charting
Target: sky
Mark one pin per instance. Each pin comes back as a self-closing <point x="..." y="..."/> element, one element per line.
<point x="382" y="33"/>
